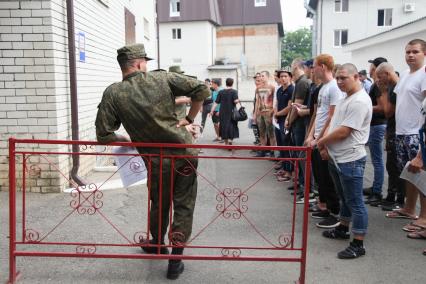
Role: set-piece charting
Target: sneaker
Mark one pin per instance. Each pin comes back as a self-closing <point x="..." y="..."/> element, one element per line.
<point x="336" y="234"/>
<point x="283" y="178"/>
<point x="323" y="214"/>
<point x="328" y="223"/>
<point x="352" y="251"/>
<point x="314" y="208"/>
<point x="302" y="200"/>
<point x="260" y="154"/>
<point x="392" y="207"/>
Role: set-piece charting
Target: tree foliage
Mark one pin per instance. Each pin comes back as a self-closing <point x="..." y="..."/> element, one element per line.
<point x="296" y="44"/>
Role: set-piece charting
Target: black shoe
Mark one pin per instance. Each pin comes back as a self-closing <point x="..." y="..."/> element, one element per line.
<point x="299" y="193"/>
<point x="352" y="251"/>
<point x="374" y="197"/>
<point x="367" y="191"/>
<point x="153" y="249"/>
<point x="336" y="234"/>
<point x="260" y="154"/>
<point x="328" y="223"/>
<point x="375" y="200"/>
<point x="292" y="187"/>
<point x="393" y="207"/>
<point x="175" y="269"/>
<point x="322" y="214"/>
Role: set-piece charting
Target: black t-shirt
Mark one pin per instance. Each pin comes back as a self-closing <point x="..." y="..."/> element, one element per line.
<point x="391" y="127"/>
<point x="314" y="99"/>
<point x="378" y="118"/>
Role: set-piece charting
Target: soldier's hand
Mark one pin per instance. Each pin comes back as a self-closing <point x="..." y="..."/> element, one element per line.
<point x="182" y="122"/>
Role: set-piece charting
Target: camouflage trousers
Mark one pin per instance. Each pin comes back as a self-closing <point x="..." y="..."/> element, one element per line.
<point x="183" y="184"/>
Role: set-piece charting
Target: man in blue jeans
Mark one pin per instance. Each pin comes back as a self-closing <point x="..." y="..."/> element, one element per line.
<point x="377" y="134"/>
<point x="344" y="147"/>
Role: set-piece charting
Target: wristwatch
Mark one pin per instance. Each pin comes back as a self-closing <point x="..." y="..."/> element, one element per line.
<point x="190" y="120"/>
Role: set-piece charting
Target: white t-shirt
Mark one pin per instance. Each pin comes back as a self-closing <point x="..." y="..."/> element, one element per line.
<point x="409" y="102"/>
<point x="329" y="95"/>
<point x="353" y="111"/>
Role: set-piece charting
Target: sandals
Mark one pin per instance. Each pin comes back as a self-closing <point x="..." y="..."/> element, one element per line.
<point x="413" y="227"/>
<point x="401" y="215"/>
<point x="417" y="235"/>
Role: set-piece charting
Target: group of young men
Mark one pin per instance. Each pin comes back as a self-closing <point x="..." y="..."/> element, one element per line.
<point x="326" y="106"/>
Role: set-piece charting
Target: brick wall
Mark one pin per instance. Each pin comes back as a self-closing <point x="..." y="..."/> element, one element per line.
<point x="34" y="77"/>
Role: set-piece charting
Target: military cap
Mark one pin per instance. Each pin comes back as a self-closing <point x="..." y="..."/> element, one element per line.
<point x="176" y="69"/>
<point x="129" y="52"/>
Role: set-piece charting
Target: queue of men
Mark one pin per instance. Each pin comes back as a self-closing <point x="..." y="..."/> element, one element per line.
<point x="339" y="111"/>
<point x="315" y="103"/>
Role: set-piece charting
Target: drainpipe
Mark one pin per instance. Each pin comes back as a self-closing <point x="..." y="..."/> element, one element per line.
<point x="314" y="28"/>
<point x="74" y="98"/>
<point x="158" y="35"/>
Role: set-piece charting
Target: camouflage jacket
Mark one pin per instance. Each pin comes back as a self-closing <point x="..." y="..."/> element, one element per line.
<point x="145" y="104"/>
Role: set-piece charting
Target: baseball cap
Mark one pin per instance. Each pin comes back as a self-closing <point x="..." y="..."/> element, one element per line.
<point x="377" y="61"/>
<point x="308" y="63"/>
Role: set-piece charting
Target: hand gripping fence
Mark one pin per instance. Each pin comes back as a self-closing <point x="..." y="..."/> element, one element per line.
<point x="269" y="236"/>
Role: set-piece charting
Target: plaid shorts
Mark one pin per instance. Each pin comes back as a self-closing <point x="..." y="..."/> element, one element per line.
<point x="407" y="147"/>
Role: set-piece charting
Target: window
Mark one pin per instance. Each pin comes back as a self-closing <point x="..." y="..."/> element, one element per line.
<point x="384" y="17"/>
<point x="176" y="33"/>
<point x="341" y="5"/>
<point x="259" y="3"/>
<point x="340" y="37"/>
<point x="174" y="8"/>
<point x="146" y="28"/>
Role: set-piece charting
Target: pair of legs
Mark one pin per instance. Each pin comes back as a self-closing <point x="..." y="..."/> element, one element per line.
<point x="215" y="119"/>
<point x="184" y="189"/>
<point x="266" y="128"/>
<point x="348" y="179"/>
<point x="328" y="198"/>
<point x="375" y="143"/>
<point x="407" y="147"/>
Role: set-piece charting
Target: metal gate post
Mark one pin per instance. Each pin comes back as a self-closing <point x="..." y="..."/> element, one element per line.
<point x="305" y="216"/>
<point x="12" y="212"/>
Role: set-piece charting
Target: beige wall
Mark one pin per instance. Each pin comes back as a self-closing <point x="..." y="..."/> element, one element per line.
<point x="261" y="45"/>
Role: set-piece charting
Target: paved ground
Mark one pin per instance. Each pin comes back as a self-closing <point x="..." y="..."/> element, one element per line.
<point x="391" y="257"/>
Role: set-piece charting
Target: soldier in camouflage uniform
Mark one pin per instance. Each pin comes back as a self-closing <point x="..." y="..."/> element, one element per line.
<point x="144" y="102"/>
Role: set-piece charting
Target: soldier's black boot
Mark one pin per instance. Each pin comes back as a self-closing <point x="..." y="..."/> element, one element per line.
<point x="153" y="249"/>
<point x="176" y="266"/>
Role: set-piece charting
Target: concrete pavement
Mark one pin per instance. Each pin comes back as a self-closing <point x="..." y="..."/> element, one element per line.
<point x="391" y="257"/>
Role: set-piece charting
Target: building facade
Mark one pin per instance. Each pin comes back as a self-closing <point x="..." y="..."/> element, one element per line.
<point x="34" y="74"/>
<point x="337" y="23"/>
<point x="197" y="34"/>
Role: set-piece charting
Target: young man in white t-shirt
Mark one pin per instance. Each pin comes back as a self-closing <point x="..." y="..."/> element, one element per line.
<point x="410" y="90"/>
<point x="344" y="147"/>
<point x="328" y="97"/>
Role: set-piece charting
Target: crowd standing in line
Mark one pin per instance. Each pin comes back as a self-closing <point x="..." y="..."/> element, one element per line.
<point x="329" y="107"/>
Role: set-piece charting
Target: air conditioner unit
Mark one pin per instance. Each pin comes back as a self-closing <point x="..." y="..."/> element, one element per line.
<point x="409" y="7"/>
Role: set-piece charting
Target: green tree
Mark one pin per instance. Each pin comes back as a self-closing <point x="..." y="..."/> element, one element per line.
<point x="296" y="44"/>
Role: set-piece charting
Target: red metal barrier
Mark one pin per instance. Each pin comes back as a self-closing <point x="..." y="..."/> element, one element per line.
<point x="231" y="204"/>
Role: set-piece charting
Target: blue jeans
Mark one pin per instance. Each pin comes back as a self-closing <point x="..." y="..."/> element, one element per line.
<point x="348" y="178"/>
<point x="375" y="143"/>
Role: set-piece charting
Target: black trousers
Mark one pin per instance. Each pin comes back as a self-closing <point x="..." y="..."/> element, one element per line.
<point x="326" y="189"/>
<point x="396" y="186"/>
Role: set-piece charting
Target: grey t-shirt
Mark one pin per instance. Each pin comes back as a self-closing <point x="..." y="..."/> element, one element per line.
<point x="355" y="112"/>
<point x="329" y="95"/>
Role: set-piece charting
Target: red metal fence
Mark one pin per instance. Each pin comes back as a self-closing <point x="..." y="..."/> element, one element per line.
<point x="231" y="203"/>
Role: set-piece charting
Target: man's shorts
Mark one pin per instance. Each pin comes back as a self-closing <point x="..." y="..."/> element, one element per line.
<point x="407" y="147"/>
<point x="215" y="117"/>
<point x="264" y="122"/>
